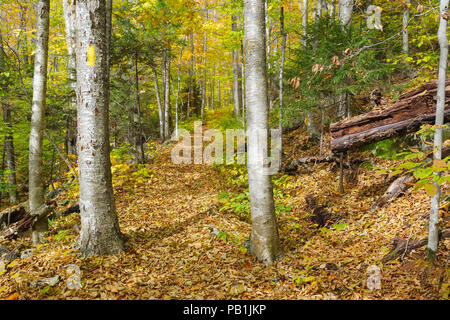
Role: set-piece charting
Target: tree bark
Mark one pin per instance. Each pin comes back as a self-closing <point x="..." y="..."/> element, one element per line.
<point x="265" y="243"/>
<point x="71" y="129"/>
<point x="236" y="71"/>
<point x="433" y="229"/>
<point x="36" y="182"/>
<point x="405" y="42"/>
<point x="405" y="116"/>
<point x="305" y="21"/>
<point x="100" y="233"/>
<point x="166" y="93"/>
<point x="140" y="140"/>
<point x="158" y="99"/>
<point x="345" y="12"/>
<point x="280" y="93"/>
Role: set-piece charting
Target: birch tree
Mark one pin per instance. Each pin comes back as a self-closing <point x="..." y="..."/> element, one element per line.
<point x="69" y="19"/>
<point x="433" y="231"/>
<point x="345" y="12"/>
<point x="305" y="20"/>
<point x="100" y="233"/>
<point x="265" y="243"/>
<point x="236" y="72"/>
<point x="36" y="183"/>
<point x="405" y="42"/>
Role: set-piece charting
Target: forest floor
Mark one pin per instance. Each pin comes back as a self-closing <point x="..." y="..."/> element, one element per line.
<point x="186" y="226"/>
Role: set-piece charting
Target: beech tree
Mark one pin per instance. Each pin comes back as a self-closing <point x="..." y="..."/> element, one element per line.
<point x="433" y="231"/>
<point x="100" y="233"/>
<point x="265" y="242"/>
<point x="36" y="183"/>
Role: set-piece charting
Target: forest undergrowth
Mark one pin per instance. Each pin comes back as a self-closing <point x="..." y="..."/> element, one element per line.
<point x="187" y="225"/>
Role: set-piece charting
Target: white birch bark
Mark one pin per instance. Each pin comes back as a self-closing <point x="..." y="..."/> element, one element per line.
<point x="280" y="93"/>
<point x="405" y="41"/>
<point x="305" y="20"/>
<point x="345" y="12"/>
<point x="236" y="96"/>
<point x="166" y="93"/>
<point x="100" y="233"/>
<point x="265" y="243"/>
<point x="69" y="19"/>
<point x="158" y="99"/>
<point x="433" y="231"/>
<point x="36" y="183"/>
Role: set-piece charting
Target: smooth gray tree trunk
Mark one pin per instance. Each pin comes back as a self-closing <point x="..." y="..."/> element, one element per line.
<point x="202" y="110"/>
<point x="433" y="231"/>
<point x="158" y="99"/>
<point x="166" y="93"/>
<point x="69" y="19"/>
<point x="236" y="72"/>
<point x="280" y="93"/>
<point x="265" y="242"/>
<point x="100" y="233"/>
<point x="305" y="20"/>
<point x="36" y="179"/>
<point x="345" y="12"/>
<point x="405" y="41"/>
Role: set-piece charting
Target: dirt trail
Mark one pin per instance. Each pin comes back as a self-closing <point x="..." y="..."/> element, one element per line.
<point x="171" y="220"/>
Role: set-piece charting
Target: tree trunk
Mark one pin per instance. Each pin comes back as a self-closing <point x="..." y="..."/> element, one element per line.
<point x="100" y="233"/>
<point x="36" y="182"/>
<point x="280" y="97"/>
<point x="158" y="99"/>
<point x="178" y="91"/>
<point x="305" y="21"/>
<point x="405" y="46"/>
<point x="140" y="140"/>
<point x="205" y="9"/>
<point x="265" y="243"/>
<point x="71" y="129"/>
<point x="433" y="231"/>
<point x="345" y="12"/>
<point x="166" y="93"/>
<point x="236" y="76"/>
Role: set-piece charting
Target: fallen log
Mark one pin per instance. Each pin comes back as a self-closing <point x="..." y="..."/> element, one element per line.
<point x="403" y="247"/>
<point x="294" y="164"/>
<point x="407" y="115"/>
<point x="23" y="219"/>
<point x="395" y="190"/>
<point x="403" y="183"/>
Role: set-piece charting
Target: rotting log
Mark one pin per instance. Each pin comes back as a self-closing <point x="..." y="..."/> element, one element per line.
<point x="403" y="247"/>
<point x="407" y="115"/>
<point x="17" y="220"/>
<point x="403" y="183"/>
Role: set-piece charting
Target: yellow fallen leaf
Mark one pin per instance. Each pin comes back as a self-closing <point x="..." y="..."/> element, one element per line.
<point x="14" y="296"/>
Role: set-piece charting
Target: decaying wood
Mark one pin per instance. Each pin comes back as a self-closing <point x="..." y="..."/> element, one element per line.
<point x="17" y="220"/>
<point x="395" y="190"/>
<point x="413" y="109"/>
<point x="403" y="247"/>
<point x="320" y="215"/>
<point x="294" y="164"/>
<point x="403" y="183"/>
<point x="305" y="161"/>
